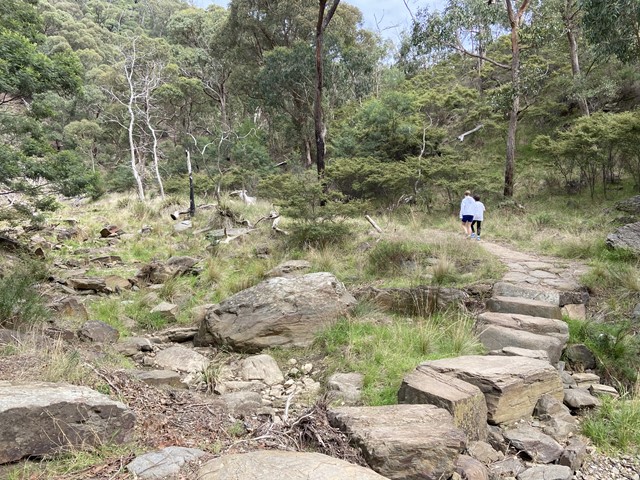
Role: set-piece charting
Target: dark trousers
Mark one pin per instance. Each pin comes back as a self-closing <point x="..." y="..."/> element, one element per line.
<point x="478" y="225"/>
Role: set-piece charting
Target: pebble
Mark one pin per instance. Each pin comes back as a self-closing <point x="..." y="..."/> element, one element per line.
<point x="601" y="467"/>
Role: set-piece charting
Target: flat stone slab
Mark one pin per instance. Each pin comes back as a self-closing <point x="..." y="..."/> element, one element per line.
<point x="403" y="441"/>
<point x="504" y="289"/>
<point x="40" y="418"/>
<point x="538" y="325"/>
<point x="160" y="378"/>
<point x="163" y="463"/>
<point x="547" y="472"/>
<point x="539" y="447"/>
<point x="511" y="389"/>
<point x="275" y="464"/>
<point x="461" y="399"/>
<point x="496" y="338"/>
<point x="523" y="306"/>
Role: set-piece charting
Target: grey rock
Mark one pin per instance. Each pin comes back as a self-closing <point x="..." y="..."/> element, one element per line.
<point x="511" y="389"/>
<point x="242" y="404"/>
<point x="278" y="312"/>
<point x="263" y="368"/>
<point x="549" y="406"/>
<point x="167" y="310"/>
<point x="522" y="306"/>
<point x="579" y="355"/>
<point x="538" y="325"/>
<point x="630" y="205"/>
<point x="403" y="441"/>
<point x="585" y="379"/>
<point x="504" y="289"/>
<point x="598" y="390"/>
<point x="521" y="352"/>
<point x="574" y="454"/>
<point x="41" y="418"/>
<point x="567" y="379"/>
<point x="484" y="453"/>
<point x="346" y="387"/>
<point x="507" y="468"/>
<point x="70" y="307"/>
<point x="183" y="226"/>
<point x="115" y="283"/>
<point x="577" y="399"/>
<point x="497" y="338"/>
<point x="539" y="447"/>
<point x="163" y="463"/>
<point x="547" y="472"/>
<point x="627" y="238"/>
<point x="635" y="315"/>
<point x="160" y="378"/>
<point x="132" y="345"/>
<point x="464" y="401"/>
<point x="471" y="469"/>
<point x="181" y="359"/>
<point x="99" y="332"/>
<point x="290" y="268"/>
<point x="87" y="283"/>
<point x="275" y="464"/>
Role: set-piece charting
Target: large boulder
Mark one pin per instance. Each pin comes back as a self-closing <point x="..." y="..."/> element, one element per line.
<point x="403" y="441"/>
<point x="511" y="389"/>
<point x="41" y="418"/>
<point x="630" y="206"/>
<point x="461" y="399"/>
<point x="275" y="464"/>
<point x="627" y="238"/>
<point x="278" y="312"/>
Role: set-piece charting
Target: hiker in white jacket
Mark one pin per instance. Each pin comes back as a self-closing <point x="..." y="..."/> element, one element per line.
<point x="466" y="212"/>
<point x="478" y="217"/>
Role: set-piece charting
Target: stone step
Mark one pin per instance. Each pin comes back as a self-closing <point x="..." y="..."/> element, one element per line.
<point x="538" y="325"/>
<point x="524" y="306"/>
<point x="461" y="399"/>
<point x="511" y="387"/>
<point x="403" y="441"/>
<point x="505" y="289"/>
<point x="496" y="338"/>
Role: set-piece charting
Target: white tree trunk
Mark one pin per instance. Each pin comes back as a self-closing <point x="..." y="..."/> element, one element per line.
<point x="132" y="146"/>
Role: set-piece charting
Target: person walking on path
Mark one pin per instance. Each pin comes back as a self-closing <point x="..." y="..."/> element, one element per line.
<point x="478" y="217"/>
<point x="466" y="212"/>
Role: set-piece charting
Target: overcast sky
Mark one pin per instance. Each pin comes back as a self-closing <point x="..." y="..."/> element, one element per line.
<point x="389" y="17"/>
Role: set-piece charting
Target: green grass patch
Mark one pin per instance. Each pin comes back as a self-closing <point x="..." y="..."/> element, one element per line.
<point x="21" y="305"/>
<point x="384" y="353"/>
<point x="615" y="426"/>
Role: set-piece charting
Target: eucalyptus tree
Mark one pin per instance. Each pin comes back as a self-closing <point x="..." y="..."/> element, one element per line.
<point x="456" y="28"/>
<point x="613" y="26"/>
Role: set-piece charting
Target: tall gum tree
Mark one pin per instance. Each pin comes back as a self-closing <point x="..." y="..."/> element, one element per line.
<point x="444" y="32"/>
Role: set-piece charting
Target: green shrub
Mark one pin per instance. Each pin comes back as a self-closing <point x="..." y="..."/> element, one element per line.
<point x="389" y="257"/>
<point x="318" y="234"/>
<point x="616" y="347"/>
<point x="20" y="304"/>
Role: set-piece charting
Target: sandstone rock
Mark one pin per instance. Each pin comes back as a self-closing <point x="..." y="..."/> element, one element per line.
<point x="539" y="447"/>
<point x="131" y="345"/>
<point x="504" y="289"/>
<point x="598" y="390"/>
<point x="465" y="402"/>
<point x="507" y="468"/>
<point x="263" y="368"/>
<point x="521" y="352"/>
<point x="277" y="312"/>
<point x="70" y="307"/>
<point x="511" y="389"/>
<point x="160" y="378"/>
<point x="586" y="379"/>
<point x="403" y="441"/>
<point x="578" y="398"/>
<point x="413" y="301"/>
<point x="115" y="283"/>
<point x="471" y="469"/>
<point x="575" y="311"/>
<point x="547" y="472"/>
<point x="163" y="463"/>
<point x="497" y="338"/>
<point x="167" y="310"/>
<point x="107" y="260"/>
<point x="523" y="306"/>
<point x="538" y="325"/>
<point x="346" y="387"/>
<point x="181" y="359"/>
<point x="87" y="283"/>
<point x="41" y="418"/>
<point x="579" y="355"/>
<point x="99" y="332"/>
<point x="242" y="404"/>
<point x="484" y="453"/>
<point x="627" y="238"/>
<point x="290" y="268"/>
<point x="275" y="464"/>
